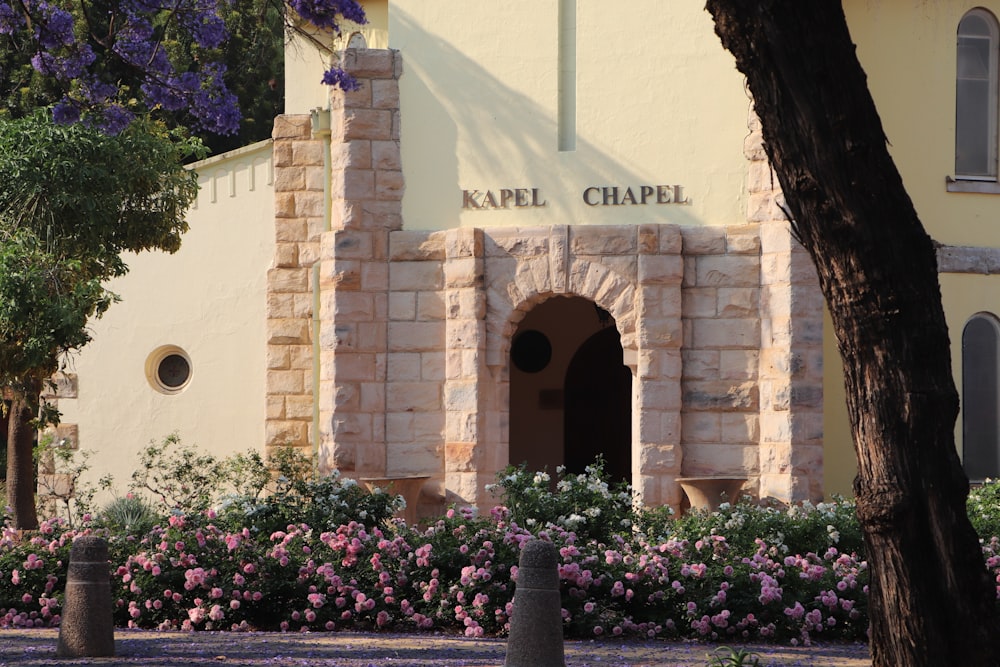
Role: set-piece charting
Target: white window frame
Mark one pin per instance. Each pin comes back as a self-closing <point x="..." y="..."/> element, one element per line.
<point x="983" y="183"/>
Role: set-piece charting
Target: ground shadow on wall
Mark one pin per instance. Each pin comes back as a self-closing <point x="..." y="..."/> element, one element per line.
<point x="531" y="157"/>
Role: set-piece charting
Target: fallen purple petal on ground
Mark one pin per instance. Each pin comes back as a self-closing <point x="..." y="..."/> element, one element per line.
<point x="36" y="648"/>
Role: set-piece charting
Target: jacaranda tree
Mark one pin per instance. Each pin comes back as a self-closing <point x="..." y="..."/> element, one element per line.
<point x="108" y="60"/>
<point x="97" y="172"/>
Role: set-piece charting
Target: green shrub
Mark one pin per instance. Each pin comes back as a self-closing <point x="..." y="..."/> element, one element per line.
<point x="128" y="515"/>
<point x="178" y="477"/>
<point x="792" y="529"/>
<point x="586" y="504"/>
<point x="983" y="506"/>
<point x="299" y="496"/>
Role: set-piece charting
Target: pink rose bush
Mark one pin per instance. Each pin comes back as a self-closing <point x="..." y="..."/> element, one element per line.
<point x="743" y="573"/>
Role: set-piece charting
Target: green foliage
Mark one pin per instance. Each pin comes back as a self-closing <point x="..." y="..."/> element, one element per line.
<point x="583" y="503"/>
<point x="794" y="529"/>
<point x="128" y="515"/>
<point x="983" y="506"/>
<point x="244" y="491"/>
<point x="298" y="496"/>
<point x="61" y="493"/>
<point x="724" y="656"/>
<point x="52" y="177"/>
<point x="45" y="303"/>
<point x="71" y="201"/>
<point x="179" y="477"/>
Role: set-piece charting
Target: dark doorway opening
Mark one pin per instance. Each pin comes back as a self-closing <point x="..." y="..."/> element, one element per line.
<point x="570" y="394"/>
<point x="597" y="417"/>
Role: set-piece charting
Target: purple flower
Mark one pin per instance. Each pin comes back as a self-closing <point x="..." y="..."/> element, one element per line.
<point x="325" y="13"/>
<point x="10" y="21"/>
<point x="65" y="112"/>
<point x="341" y="79"/>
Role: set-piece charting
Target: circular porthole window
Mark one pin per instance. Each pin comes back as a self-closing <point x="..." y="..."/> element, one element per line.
<point x="531" y="351"/>
<point x="168" y="369"/>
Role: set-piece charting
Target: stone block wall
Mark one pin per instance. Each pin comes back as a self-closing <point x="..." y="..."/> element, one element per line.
<point x="366" y="190"/>
<point x="299" y="223"/>
<point x="722" y="332"/>
<point x="407" y="361"/>
<point x="791" y="344"/>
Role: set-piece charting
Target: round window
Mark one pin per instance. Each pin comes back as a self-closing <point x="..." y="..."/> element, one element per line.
<point x="168" y="369"/>
<point x="531" y="351"/>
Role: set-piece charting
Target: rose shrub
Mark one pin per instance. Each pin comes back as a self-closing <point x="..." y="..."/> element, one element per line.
<point x="745" y="572"/>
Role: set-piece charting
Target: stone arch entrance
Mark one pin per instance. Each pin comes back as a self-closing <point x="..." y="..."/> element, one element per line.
<point x="570" y="392"/>
<point x="496" y="278"/>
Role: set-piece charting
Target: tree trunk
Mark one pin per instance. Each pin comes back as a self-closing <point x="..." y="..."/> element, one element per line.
<point x="20" y="457"/>
<point x="932" y="600"/>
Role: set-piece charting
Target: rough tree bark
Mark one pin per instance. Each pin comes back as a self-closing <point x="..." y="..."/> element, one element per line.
<point x="20" y="458"/>
<point x="932" y="602"/>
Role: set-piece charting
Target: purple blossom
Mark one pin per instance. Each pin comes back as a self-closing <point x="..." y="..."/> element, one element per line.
<point x="56" y="29"/>
<point x="10" y="20"/>
<point x="65" y="112"/>
<point x="329" y="13"/>
<point x="340" y="79"/>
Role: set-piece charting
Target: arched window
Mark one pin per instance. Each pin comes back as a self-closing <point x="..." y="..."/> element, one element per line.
<point x="981" y="397"/>
<point x="976" y="97"/>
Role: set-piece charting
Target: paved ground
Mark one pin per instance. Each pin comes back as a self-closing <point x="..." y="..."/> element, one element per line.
<point x="32" y="648"/>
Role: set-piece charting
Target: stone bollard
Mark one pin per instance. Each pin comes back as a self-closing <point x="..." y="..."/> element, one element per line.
<point x="536" y="633"/>
<point x="87" y="628"/>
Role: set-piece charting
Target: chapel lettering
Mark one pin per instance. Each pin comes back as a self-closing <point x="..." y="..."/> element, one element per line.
<point x="503" y="198"/>
<point x="613" y="195"/>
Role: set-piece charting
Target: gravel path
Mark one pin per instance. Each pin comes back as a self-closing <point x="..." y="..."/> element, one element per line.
<point x="30" y="648"/>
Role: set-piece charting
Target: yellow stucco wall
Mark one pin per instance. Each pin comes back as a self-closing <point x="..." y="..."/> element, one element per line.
<point x="908" y="51"/>
<point x="208" y="299"/>
<point x="657" y="101"/>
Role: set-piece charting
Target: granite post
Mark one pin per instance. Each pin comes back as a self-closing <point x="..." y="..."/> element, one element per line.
<point x="87" y="628"/>
<point x="536" y="634"/>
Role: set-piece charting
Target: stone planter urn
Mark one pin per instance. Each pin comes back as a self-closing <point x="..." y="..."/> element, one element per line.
<point x="707" y="492"/>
